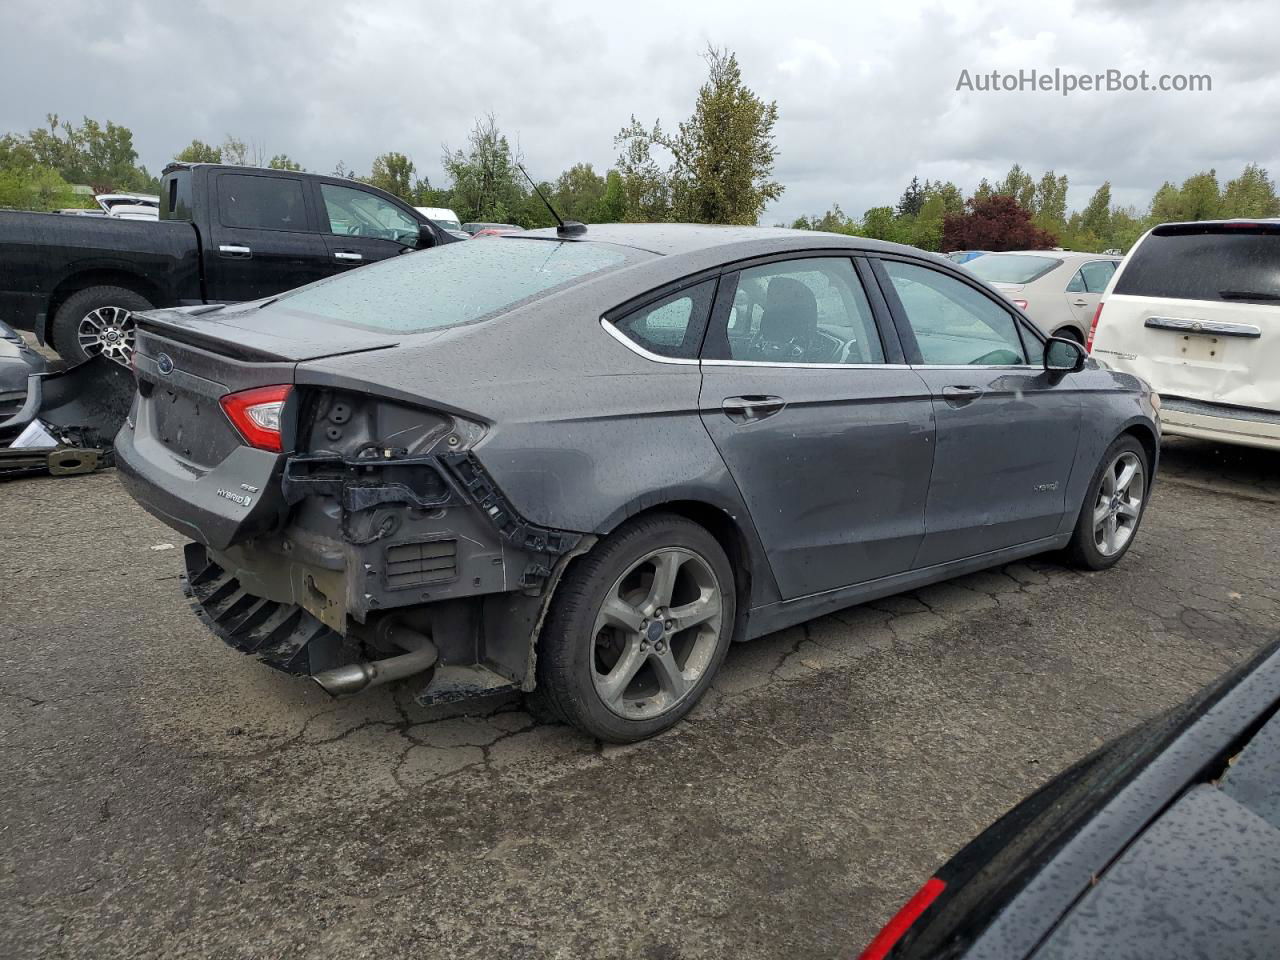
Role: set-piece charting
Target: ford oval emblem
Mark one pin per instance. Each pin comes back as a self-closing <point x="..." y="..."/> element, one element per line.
<point x="164" y="363"/>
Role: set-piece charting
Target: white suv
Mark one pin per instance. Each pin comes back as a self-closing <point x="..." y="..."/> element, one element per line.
<point x="1195" y="311"/>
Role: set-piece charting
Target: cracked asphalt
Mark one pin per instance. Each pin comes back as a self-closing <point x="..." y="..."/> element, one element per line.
<point x="165" y="796"/>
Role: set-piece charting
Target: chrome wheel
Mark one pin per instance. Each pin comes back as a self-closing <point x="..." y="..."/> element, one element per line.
<point x="1119" y="504"/>
<point x="108" y="331"/>
<point x="656" y="633"/>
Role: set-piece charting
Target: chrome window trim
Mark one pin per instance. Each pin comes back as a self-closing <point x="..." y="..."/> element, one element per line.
<point x="807" y="366"/>
<point x="1191" y="325"/>
<point x="635" y="348"/>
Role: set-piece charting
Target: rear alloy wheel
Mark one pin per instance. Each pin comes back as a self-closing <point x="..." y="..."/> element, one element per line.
<point x="98" y="321"/>
<point x="1112" y="508"/>
<point x="637" y="629"/>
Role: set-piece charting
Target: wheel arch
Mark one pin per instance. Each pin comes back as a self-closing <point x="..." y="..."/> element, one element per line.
<point x="96" y="277"/>
<point x="1145" y="435"/>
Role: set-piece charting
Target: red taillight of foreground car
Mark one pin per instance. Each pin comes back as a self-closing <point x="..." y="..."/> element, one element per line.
<point x="256" y="414"/>
<point x="878" y="948"/>
<point x="1020" y="304"/>
<point x="1093" y="328"/>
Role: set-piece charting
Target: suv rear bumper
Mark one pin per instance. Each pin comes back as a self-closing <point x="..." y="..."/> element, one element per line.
<point x="1246" y="426"/>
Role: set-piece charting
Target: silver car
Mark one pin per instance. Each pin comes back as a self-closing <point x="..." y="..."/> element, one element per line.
<point x="1058" y="289"/>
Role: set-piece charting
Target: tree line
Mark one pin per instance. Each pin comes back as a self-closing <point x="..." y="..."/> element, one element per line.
<point x="714" y="167"/>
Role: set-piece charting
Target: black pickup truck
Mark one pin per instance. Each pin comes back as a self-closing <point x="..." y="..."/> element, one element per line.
<point x="225" y="234"/>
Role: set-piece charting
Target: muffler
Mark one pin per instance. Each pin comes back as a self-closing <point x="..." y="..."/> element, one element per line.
<point x="363" y="674"/>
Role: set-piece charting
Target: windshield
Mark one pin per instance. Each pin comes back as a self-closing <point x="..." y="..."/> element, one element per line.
<point x="451" y="284"/>
<point x="1011" y="267"/>
<point x="448" y="224"/>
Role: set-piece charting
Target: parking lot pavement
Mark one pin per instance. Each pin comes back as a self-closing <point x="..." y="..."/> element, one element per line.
<point x="164" y="796"/>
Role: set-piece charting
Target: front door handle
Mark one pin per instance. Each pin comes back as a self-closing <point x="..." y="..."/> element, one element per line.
<point x="961" y="395"/>
<point x="235" y="251"/>
<point x="1080" y="303"/>
<point x="751" y="408"/>
<point x="347" y="256"/>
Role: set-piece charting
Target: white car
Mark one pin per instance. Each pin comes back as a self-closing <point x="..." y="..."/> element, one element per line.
<point x="443" y="216"/>
<point x="1195" y="311"/>
<point x="130" y="206"/>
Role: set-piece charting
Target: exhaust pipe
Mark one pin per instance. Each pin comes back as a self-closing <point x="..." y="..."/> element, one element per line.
<point x="363" y="674"/>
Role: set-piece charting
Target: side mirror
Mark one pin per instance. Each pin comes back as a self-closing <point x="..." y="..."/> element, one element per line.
<point x="426" y="236"/>
<point x="1063" y="356"/>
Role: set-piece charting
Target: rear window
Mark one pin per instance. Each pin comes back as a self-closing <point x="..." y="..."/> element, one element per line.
<point x="452" y="284"/>
<point x="1240" y="265"/>
<point x="1011" y="267"/>
<point x="261" y="203"/>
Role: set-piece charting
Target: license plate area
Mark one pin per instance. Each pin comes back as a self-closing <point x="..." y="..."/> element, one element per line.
<point x="1199" y="348"/>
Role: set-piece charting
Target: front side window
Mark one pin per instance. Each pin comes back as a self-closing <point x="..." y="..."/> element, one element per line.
<point x="355" y="213"/>
<point x="799" y="311"/>
<point x="1097" y="275"/>
<point x="261" y="203"/>
<point x="451" y="284"/>
<point x="673" y="326"/>
<point x="953" y="323"/>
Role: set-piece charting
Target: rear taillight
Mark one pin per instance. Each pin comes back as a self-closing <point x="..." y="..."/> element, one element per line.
<point x="1021" y="305"/>
<point x="878" y="948"/>
<point x="256" y="414"/>
<point x="1093" y="328"/>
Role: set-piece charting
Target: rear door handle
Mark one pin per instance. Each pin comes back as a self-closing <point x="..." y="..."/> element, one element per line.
<point x="1080" y="303"/>
<point x="752" y="407"/>
<point x="235" y="251"/>
<point x="347" y="256"/>
<point x="961" y="395"/>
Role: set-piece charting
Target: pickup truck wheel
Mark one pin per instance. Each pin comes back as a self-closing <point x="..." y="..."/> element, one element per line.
<point x="637" y="629"/>
<point x="97" y="320"/>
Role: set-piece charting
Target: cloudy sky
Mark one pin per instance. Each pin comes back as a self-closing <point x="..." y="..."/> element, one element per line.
<point x="866" y="91"/>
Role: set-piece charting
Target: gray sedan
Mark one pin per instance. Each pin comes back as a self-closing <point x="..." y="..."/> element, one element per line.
<point x="582" y="463"/>
<point x="1058" y="289"/>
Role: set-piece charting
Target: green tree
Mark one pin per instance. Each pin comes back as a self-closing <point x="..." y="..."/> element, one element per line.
<point x="645" y="187"/>
<point x="926" y="231"/>
<point x="1017" y="183"/>
<point x="950" y="195"/>
<point x="1096" y="217"/>
<point x="881" y="224"/>
<point x="613" y="205"/>
<point x="1201" y="199"/>
<point x="1166" y="205"/>
<point x="393" y="172"/>
<point x="579" y="194"/>
<point x="1126" y="228"/>
<point x="485" y="184"/>
<point x="531" y="212"/>
<point x="101" y="156"/>
<point x="282" y="161"/>
<point x="240" y="153"/>
<point x="197" y="151"/>
<point x="1252" y="194"/>
<point x="912" y="199"/>
<point x="723" y="155"/>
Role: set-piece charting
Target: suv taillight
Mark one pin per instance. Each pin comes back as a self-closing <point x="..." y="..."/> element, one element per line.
<point x="1093" y="328"/>
<point x="256" y="414"/>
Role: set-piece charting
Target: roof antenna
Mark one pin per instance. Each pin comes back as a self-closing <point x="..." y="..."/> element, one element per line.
<point x="567" y="228"/>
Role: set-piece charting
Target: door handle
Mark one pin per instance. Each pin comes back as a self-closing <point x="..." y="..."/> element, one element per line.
<point x="347" y="256"/>
<point x="751" y="408"/>
<point x="235" y="251"/>
<point x="1080" y="303"/>
<point x="961" y="395"/>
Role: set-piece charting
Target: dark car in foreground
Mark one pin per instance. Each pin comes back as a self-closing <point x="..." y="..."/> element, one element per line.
<point x="1162" y="845"/>
<point x="225" y="234"/>
<point x="587" y="462"/>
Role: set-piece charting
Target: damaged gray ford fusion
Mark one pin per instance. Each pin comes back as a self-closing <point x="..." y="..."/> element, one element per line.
<point x="582" y="462"/>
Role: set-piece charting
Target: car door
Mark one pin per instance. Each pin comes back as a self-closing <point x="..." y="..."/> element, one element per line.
<point x="362" y="227"/>
<point x="262" y="237"/>
<point x="1085" y="289"/>
<point x="828" y="435"/>
<point x="1007" y="429"/>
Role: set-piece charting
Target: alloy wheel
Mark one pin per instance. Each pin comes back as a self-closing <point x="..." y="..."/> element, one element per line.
<point x="108" y="331"/>
<point x="1119" y="504"/>
<point x="656" y="633"/>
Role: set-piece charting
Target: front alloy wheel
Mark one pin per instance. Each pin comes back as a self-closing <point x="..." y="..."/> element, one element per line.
<point x="656" y="633"/>
<point x="108" y="331"/>
<point x="1119" y="504"/>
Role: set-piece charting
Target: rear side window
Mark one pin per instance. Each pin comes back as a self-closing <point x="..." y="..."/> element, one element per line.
<point x="673" y="326"/>
<point x="175" y="202"/>
<point x="1096" y="275"/>
<point x="1235" y="265"/>
<point x="452" y="284"/>
<point x="261" y="203"/>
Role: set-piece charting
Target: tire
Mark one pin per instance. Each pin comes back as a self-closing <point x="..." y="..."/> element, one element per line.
<point x="1069" y="333"/>
<point x="615" y="675"/>
<point x="96" y="321"/>
<point x="1092" y="545"/>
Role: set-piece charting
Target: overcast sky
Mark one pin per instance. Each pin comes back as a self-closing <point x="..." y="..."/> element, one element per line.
<point x="866" y="92"/>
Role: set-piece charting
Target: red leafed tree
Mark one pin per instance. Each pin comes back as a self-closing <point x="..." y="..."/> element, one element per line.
<point x="994" y="222"/>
